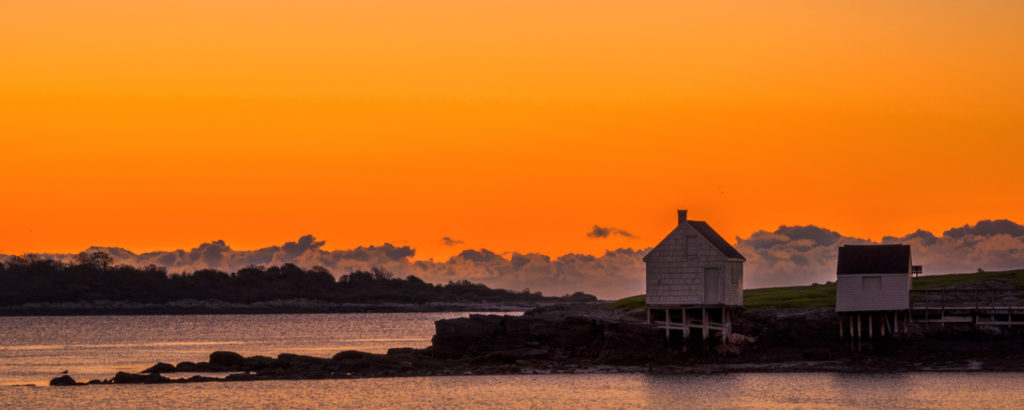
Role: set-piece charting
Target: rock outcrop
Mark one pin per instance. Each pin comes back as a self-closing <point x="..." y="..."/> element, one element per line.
<point x="597" y="339"/>
<point x="64" y="380"/>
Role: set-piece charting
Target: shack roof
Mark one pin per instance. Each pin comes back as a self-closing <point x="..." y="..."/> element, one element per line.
<point x="720" y="243"/>
<point x="856" y="259"/>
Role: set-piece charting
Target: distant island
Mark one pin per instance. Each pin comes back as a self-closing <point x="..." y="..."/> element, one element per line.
<point x="93" y="284"/>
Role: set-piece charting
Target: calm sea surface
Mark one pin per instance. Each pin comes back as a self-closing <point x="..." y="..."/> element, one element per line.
<point x="34" y="349"/>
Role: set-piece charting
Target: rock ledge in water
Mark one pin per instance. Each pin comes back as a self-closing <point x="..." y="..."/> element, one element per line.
<point x="64" y="380"/>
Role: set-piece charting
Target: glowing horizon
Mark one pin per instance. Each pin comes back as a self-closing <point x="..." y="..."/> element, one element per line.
<point x="515" y="126"/>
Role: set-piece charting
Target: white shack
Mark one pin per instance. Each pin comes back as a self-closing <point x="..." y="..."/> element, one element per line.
<point x="694" y="280"/>
<point x="872" y="289"/>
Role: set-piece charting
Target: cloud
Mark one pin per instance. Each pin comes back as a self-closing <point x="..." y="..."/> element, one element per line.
<point x="448" y="241"/>
<point x="798" y="255"/>
<point x="615" y="274"/>
<point x="604" y="232"/>
<point x="788" y="255"/>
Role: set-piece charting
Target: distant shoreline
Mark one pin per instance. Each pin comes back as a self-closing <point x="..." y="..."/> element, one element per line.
<point x="301" y="306"/>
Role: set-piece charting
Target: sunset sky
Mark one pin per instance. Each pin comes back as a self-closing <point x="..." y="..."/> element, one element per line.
<point x="507" y="125"/>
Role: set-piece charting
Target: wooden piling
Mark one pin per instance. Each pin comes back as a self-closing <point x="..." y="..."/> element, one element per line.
<point x="704" y="323"/>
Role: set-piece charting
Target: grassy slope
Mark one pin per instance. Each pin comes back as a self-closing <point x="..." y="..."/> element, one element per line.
<point x="802" y="297"/>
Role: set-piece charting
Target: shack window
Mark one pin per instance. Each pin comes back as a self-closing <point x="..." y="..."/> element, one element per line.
<point x="691" y="246"/>
<point x="871" y="283"/>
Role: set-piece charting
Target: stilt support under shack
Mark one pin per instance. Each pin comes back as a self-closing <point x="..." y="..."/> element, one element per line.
<point x="707" y="319"/>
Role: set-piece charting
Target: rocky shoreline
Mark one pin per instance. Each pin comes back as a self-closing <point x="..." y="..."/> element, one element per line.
<point x="598" y="339"/>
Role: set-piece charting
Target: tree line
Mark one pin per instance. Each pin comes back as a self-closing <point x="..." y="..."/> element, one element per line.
<point x="94" y="276"/>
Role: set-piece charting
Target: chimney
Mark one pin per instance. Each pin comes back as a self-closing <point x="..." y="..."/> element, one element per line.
<point x="682" y="216"/>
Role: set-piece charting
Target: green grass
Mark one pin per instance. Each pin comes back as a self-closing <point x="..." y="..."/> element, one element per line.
<point x="791" y="297"/>
<point x="630" y="303"/>
<point x="927" y="282"/>
<point x="803" y="297"/>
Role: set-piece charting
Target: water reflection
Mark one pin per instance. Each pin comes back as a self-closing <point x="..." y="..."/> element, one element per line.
<point x="762" y="390"/>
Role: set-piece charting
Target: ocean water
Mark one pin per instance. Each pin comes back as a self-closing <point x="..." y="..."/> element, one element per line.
<point x="756" y="391"/>
<point x="34" y="349"/>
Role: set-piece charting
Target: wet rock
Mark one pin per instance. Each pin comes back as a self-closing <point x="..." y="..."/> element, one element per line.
<point x="161" y="368"/>
<point x="228" y="360"/>
<point x="519" y="355"/>
<point x="453" y="337"/>
<point x="298" y="358"/>
<point x="130" y="378"/>
<point x="197" y="378"/>
<point x="819" y="354"/>
<point x="726" y="349"/>
<point x="240" y="377"/>
<point x="352" y="355"/>
<point x="258" y="363"/>
<point x="64" y="380"/>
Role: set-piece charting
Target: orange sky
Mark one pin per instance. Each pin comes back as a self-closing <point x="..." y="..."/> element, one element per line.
<point x="510" y="125"/>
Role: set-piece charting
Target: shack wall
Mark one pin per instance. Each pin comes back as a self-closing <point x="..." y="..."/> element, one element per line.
<point x="870" y="292"/>
<point x="675" y="271"/>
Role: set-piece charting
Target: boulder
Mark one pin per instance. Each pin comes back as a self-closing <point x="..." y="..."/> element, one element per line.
<point x="258" y="362"/>
<point x="64" y="380"/>
<point x="818" y="354"/>
<point x="737" y="339"/>
<point x="301" y="360"/>
<point x="726" y="349"/>
<point x="130" y="378"/>
<point x="230" y="360"/>
<point x="240" y="377"/>
<point x="161" y="368"/>
<point x="400" y="351"/>
<point x="521" y="354"/>
<point x="352" y="355"/>
<point x="453" y="337"/>
<point x="185" y="367"/>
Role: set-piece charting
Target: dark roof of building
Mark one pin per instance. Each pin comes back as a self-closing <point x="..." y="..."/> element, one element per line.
<point x="854" y="259"/>
<point x="723" y="246"/>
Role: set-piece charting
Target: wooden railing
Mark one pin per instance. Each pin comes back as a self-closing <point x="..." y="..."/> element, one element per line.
<point x="966" y="298"/>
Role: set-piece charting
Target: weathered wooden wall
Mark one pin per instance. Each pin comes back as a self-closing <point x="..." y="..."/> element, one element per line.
<point x="676" y="276"/>
<point x="893" y="292"/>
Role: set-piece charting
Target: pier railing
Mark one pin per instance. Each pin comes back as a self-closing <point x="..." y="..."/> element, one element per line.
<point x="978" y="299"/>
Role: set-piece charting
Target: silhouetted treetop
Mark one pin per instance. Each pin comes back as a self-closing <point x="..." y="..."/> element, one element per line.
<point x="93" y="277"/>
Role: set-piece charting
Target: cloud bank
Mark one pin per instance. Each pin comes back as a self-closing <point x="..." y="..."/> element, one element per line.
<point x="789" y="255"/>
<point x="616" y="273"/>
<point x="797" y="255"/>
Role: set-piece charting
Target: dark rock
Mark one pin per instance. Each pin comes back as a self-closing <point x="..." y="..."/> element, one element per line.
<point x="302" y="361"/>
<point x="521" y="354"/>
<point x="185" y="367"/>
<point x="64" y="380"/>
<point x="352" y="355"/>
<point x="258" y="363"/>
<point x="229" y="360"/>
<point x="161" y="368"/>
<point x="129" y="378"/>
<point x="400" y="351"/>
<point x="818" y="354"/>
<point x="197" y="378"/>
<point x="453" y="337"/>
<point x="240" y="377"/>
